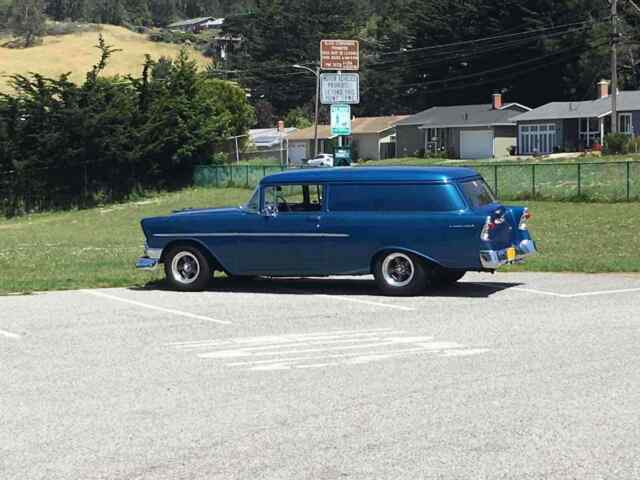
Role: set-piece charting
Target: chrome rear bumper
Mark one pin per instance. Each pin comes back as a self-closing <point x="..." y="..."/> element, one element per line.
<point x="494" y="259"/>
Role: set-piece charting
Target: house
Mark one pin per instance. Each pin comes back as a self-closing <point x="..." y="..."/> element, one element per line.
<point x="461" y="131"/>
<point x="270" y="138"/>
<point x="576" y="126"/>
<point x="196" y="25"/>
<point x="372" y="138"/>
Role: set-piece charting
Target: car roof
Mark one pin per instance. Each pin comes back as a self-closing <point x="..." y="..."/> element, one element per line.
<point x="371" y="175"/>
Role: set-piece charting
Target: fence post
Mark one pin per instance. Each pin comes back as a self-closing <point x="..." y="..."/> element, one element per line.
<point x="231" y="178"/>
<point x="264" y="171"/>
<point x="533" y="180"/>
<point x="217" y="180"/>
<point x="247" y="175"/>
<point x="495" y="179"/>
<point x="628" y="181"/>
<point x="579" y="179"/>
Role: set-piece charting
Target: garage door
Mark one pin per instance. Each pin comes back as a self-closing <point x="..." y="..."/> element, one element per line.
<point x="476" y="144"/>
<point x="297" y="152"/>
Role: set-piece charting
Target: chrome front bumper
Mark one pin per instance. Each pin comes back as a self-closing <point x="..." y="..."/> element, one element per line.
<point x="494" y="259"/>
<point x="150" y="260"/>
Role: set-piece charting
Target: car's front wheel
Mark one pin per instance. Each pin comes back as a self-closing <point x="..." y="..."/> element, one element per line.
<point x="400" y="274"/>
<point x="187" y="269"/>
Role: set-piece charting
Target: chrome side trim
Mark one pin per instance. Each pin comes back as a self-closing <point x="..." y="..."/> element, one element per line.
<point x="494" y="259"/>
<point x="238" y="234"/>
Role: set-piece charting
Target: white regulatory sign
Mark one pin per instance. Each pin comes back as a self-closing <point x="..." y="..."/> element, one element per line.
<point x="339" y="88"/>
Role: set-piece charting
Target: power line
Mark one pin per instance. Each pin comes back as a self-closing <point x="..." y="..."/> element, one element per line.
<point x="484" y="39"/>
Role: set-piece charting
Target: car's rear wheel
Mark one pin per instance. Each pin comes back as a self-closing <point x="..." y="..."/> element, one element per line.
<point x="445" y="277"/>
<point x="187" y="269"/>
<point x="400" y="274"/>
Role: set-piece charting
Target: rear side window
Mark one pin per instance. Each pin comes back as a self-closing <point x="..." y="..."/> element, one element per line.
<point x="394" y="198"/>
<point x="478" y="193"/>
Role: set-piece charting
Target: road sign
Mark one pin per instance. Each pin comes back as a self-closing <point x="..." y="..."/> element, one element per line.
<point x="339" y="88"/>
<point x="343" y="55"/>
<point x="342" y="157"/>
<point x="340" y="119"/>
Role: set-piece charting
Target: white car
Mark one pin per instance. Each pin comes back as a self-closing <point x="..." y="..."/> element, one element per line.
<point x="322" y="160"/>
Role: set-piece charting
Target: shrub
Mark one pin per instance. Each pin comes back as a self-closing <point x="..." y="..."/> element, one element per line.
<point x="633" y="146"/>
<point x="616" y="144"/>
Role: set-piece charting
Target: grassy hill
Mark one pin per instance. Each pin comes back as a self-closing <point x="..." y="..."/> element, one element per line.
<point x="76" y="53"/>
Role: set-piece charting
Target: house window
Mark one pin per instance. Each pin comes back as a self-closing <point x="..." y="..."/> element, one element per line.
<point x="538" y="138"/>
<point x="625" y="122"/>
<point x="589" y="132"/>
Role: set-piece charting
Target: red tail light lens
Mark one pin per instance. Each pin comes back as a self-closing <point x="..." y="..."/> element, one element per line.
<point x="524" y="220"/>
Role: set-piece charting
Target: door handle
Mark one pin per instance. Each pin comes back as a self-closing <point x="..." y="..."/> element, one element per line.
<point x="313" y="219"/>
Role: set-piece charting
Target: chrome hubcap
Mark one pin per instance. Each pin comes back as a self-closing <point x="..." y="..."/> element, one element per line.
<point x="185" y="268"/>
<point x="398" y="270"/>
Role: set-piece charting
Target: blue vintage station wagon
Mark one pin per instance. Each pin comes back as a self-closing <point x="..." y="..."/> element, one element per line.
<point x="412" y="228"/>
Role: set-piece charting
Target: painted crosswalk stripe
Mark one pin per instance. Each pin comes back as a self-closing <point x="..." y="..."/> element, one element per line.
<point x="321" y="349"/>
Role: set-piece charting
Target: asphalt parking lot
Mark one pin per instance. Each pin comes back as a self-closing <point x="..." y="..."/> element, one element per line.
<point x="532" y="376"/>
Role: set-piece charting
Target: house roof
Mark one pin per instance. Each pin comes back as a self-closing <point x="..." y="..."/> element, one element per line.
<point x="601" y="107"/>
<point x="269" y="137"/>
<point x="196" y="21"/>
<point x="465" y="116"/>
<point x="359" y="126"/>
<point x="372" y="174"/>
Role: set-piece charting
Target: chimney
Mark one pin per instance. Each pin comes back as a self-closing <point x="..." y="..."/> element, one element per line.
<point x="281" y="126"/>
<point x="497" y="101"/>
<point x="603" y="89"/>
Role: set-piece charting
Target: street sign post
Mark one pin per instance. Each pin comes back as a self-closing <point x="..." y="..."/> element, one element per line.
<point x="340" y="55"/>
<point x="339" y="88"/>
<point x="340" y="120"/>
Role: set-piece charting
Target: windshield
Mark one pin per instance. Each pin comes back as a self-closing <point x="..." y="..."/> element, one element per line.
<point x="254" y="202"/>
<point x="478" y="193"/>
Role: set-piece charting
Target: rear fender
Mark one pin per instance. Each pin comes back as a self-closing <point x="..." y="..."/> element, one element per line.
<point x="427" y="259"/>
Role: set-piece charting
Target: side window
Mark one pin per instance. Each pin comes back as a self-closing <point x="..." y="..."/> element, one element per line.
<point x="294" y="198"/>
<point x="395" y="198"/>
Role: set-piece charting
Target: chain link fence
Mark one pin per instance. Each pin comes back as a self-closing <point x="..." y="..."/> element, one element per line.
<point x="600" y="181"/>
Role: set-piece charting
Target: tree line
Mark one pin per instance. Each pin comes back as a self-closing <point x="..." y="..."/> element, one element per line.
<point x="64" y="145"/>
<point x="119" y="12"/>
<point x="415" y="53"/>
<point x="420" y="53"/>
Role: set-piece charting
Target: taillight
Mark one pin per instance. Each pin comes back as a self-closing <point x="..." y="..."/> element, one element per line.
<point x="490" y="224"/>
<point x="524" y="220"/>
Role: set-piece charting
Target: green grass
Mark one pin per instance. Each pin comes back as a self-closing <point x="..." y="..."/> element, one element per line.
<point x="98" y="247"/>
<point x="90" y="248"/>
<point x="416" y="161"/>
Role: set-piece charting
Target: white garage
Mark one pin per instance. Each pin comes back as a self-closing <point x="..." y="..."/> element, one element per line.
<point x="476" y="144"/>
<point x="297" y="151"/>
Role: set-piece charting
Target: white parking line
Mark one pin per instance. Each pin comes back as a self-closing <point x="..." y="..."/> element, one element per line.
<point x="4" y="333"/>
<point x="154" y="307"/>
<point x="557" y="295"/>
<point x="367" y="302"/>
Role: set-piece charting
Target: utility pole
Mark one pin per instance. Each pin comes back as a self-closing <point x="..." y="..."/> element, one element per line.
<point x="614" y="66"/>
<point x="315" y="139"/>
<point x="316" y="72"/>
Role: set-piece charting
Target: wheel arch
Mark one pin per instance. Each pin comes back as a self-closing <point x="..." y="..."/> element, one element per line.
<point x="386" y="250"/>
<point x="213" y="259"/>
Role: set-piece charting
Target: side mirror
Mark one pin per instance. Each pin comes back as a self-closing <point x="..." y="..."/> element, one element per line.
<point x="270" y="211"/>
